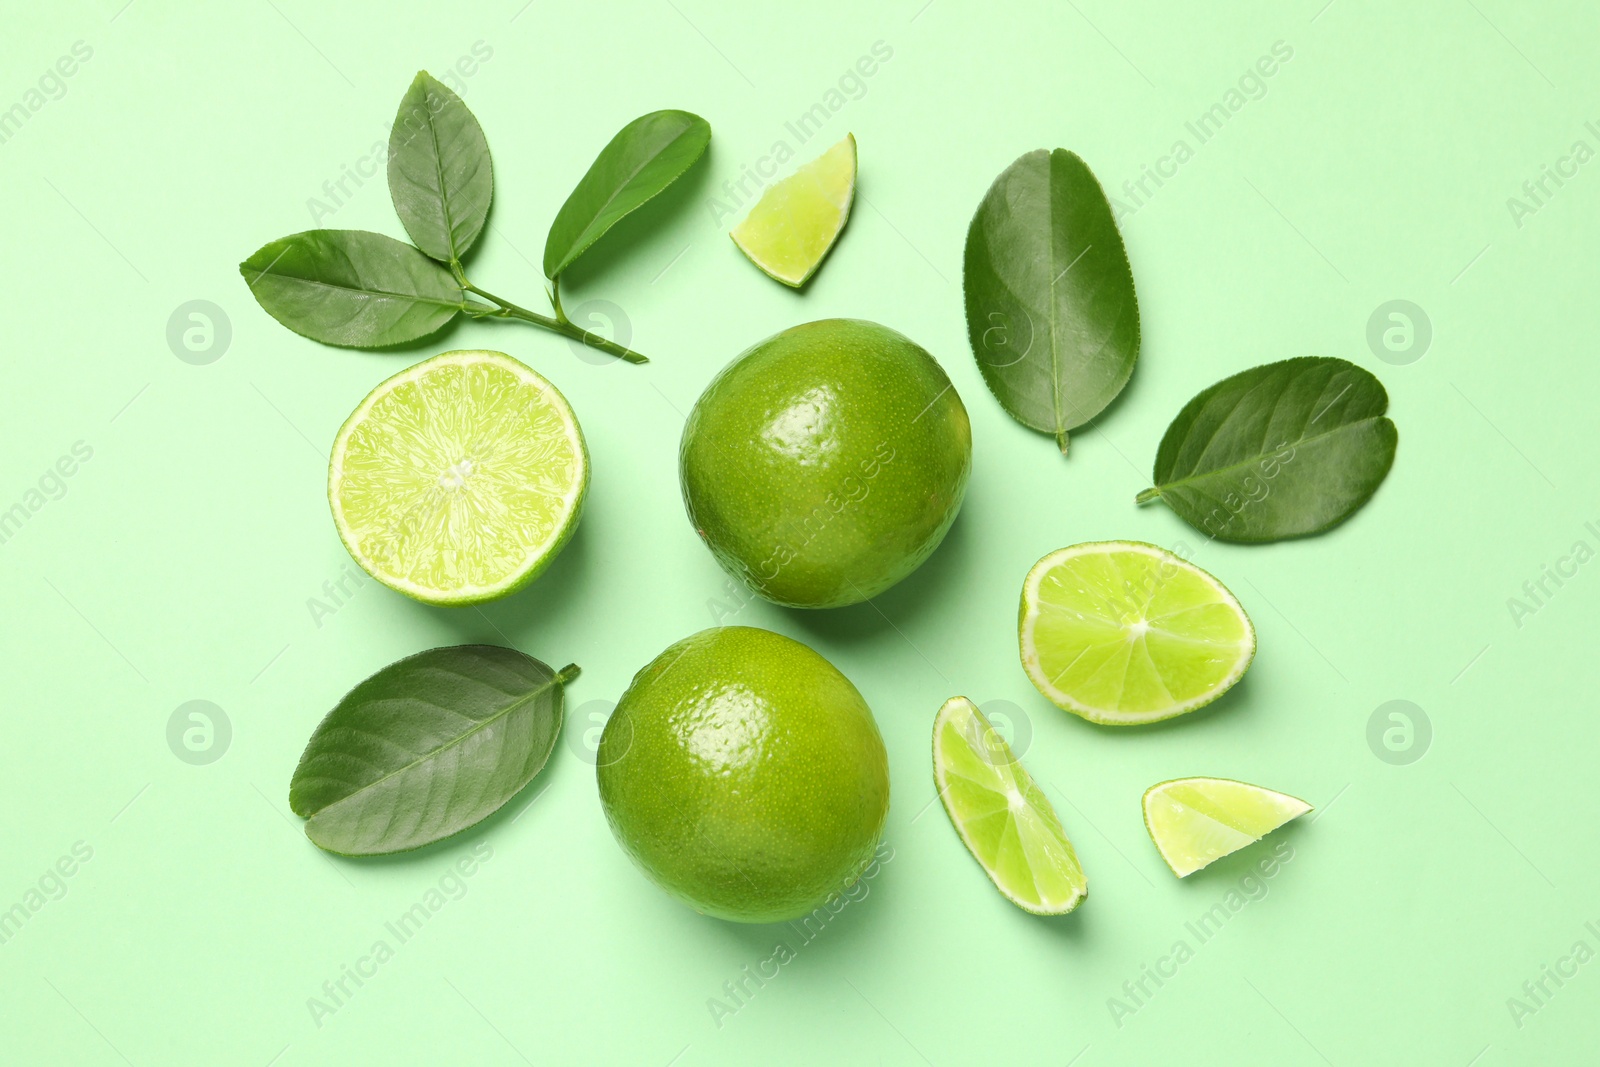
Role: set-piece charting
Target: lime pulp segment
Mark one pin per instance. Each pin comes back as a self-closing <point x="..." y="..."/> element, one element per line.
<point x="1003" y="818"/>
<point x="797" y="220"/>
<point x="1196" y="821"/>
<point x="1122" y="632"/>
<point x="459" y="479"/>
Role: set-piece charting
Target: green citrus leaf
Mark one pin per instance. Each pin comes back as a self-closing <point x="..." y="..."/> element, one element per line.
<point x="649" y="154"/>
<point x="351" y="287"/>
<point x="1051" y="310"/>
<point x="427" y="747"/>
<point x="1281" y="450"/>
<point x="440" y="175"/>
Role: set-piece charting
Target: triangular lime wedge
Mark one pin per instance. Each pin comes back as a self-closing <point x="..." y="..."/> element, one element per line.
<point x="1121" y="632"/>
<point x="457" y="481"/>
<point x="1196" y="821"/>
<point x="796" y="221"/>
<point x="1003" y="818"/>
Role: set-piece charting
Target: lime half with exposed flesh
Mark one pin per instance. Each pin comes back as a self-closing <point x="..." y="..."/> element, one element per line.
<point x="1121" y="632"/>
<point x="460" y="479"/>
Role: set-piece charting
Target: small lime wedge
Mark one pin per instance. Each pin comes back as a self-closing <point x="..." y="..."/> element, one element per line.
<point x="796" y="221"/>
<point x="1121" y="632"/>
<point x="1003" y="818"/>
<point x="460" y="479"/>
<point x="1196" y="821"/>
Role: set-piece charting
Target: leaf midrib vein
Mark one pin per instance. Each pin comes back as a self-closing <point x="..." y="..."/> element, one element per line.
<point x="444" y="194"/>
<point x="425" y="757"/>
<point x="1055" y="348"/>
<point x="579" y="245"/>
<point x="415" y="297"/>
<point x="1164" y="486"/>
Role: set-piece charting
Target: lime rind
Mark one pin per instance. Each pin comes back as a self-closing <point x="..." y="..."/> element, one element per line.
<point x="1003" y="818"/>
<point x="1196" y="821"/>
<point x="1123" y="664"/>
<point x="796" y="222"/>
<point x="458" y="480"/>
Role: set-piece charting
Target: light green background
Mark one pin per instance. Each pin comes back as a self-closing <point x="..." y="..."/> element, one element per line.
<point x="179" y="562"/>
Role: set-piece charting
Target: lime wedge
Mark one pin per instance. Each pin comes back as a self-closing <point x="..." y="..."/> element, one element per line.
<point x="1196" y="821"/>
<point x="796" y="221"/>
<point x="1003" y="818"/>
<point x="1121" y="632"/>
<point x="459" y="480"/>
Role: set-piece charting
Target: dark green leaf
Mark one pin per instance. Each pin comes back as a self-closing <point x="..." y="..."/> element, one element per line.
<point x="440" y="176"/>
<point x="1051" y="311"/>
<point x="351" y="287"/>
<point x="1277" y="451"/>
<point x="643" y="159"/>
<point x="427" y="747"/>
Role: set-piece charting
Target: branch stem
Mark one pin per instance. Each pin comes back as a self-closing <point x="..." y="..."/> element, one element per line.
<point x="560" y="324"/>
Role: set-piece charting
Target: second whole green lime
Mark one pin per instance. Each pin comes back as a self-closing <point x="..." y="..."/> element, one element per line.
<point x="826" y="463"/>
<point x="745" y="775"/>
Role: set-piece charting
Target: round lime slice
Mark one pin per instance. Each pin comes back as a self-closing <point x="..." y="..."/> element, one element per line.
<point x="796" y="221"/>
<point x="1196" y="821"/>
<point x="459" y="480"/>
<point x="1121" y="632"/>
<point x="1003" y="818"/>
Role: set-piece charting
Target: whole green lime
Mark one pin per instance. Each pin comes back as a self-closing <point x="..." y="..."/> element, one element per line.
<point x="745" y="775"/>
<point x="825" y="463"/>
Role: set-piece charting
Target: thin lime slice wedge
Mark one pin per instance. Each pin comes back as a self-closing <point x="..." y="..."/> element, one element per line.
<point x="1003" y="818"/>
<point x="1121" y="632"/>
<point x="1196" y="821"/>
<point x="796" y="221"/>
<point x="459" y="480"/>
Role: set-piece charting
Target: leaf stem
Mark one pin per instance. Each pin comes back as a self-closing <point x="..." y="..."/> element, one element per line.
<point x="566" y="674"/>
<point x="555" y="299"/>
<point x="1148" y="495"/>
<point x="561" y="324"/>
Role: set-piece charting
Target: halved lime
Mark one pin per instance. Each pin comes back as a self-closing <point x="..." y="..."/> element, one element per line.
<point x="459" y="480"/>
<point x="1197" y="821"/>
<point x="1003" y="818"/>
<point x="796" y="221"/>
<point x="1121" y="632"/>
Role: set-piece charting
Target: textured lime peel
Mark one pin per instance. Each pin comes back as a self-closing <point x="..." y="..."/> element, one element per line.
<point x="1121" y="633"/>
<point x="826" y="463"/>
<point x="794" y="224"/>
<point x="1196" y="821"/>
<point x="459" y="480"/>
<point x="1003" y="818"/>
<point x="746" y="776"/>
